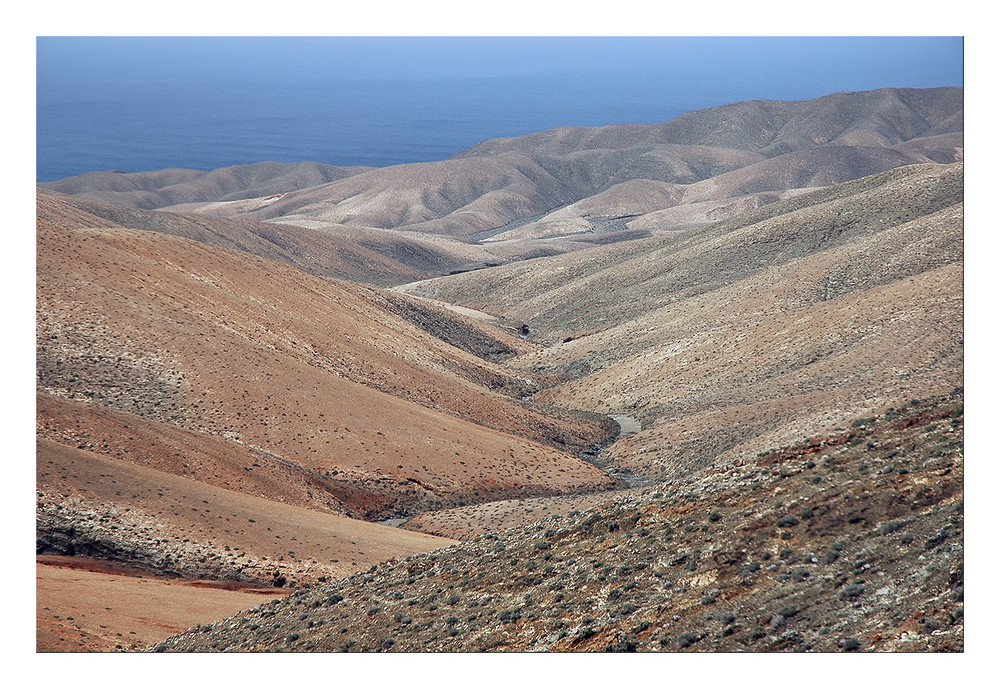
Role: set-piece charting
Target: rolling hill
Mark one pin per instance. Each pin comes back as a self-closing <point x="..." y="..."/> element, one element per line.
<point x="159" y="188"/>
<point x="766" y="328"/>
<point x="737" y="151"/>
<point x="266" y="357"/>
<point x="853" y="542"/>
<point x="686" y="386"/>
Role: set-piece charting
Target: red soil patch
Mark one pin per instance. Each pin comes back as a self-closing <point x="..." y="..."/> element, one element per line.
<point x="85" y="608"/>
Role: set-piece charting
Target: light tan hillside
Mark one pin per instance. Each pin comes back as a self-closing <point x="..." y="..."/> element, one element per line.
<point x="738" y="150"/>
<point x="765" y="329"/>
<point x="262" y="355"/>
<point x="580" y="293"/>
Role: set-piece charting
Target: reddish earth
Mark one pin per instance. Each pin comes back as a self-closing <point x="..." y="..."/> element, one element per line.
<point x="207" y="458"/>
<point x="86" y="605"/>
<point x="95" y="506"/>
<point x="263" y="358"/>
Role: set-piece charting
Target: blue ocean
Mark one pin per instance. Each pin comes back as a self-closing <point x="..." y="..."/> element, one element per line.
<point x="85" y="127"/>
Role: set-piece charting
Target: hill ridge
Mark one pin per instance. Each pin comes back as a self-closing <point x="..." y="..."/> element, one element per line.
<point x="501" y="183"/>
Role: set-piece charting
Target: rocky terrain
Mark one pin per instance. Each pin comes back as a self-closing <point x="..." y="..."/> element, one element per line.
<point x="849" y="542"/>
<point x="765" y="328"/>
<point x="689" y="386"/>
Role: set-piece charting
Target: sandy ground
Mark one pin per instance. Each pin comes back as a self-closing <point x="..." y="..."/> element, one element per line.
<point x="83" y="607"/>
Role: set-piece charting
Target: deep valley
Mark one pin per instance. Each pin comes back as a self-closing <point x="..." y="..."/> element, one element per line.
<point x="695" y="386"/>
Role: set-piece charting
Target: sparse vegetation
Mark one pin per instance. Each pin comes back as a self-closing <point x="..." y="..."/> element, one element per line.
<point x="226" y="415"/>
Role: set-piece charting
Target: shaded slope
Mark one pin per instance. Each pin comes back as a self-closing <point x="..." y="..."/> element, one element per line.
<point x="93" y="506"/>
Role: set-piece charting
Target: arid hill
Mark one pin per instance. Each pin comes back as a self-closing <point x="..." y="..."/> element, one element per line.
<point x="369" y="256"/>
<point x="271" y="361"/>
<point x="852" y="542"/>
<point x="374" y="256"/>
<point x="687" y="386"/>
<point x="96" y="506"/>
<point x="884" y="117"/>
<point x="767" y="328"/>
<point x="207" y="413"/>
<point x="159" y="188"/>
<point x="756" y="146"/>
<point x="746" y="151"/>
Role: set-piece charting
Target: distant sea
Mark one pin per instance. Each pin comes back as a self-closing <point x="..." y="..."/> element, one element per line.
<point x="86" y="127"/>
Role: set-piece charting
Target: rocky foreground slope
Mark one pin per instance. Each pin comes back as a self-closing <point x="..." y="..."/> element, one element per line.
<point x="850" y="542"/>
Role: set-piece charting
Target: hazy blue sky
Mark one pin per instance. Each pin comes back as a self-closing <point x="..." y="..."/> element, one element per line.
<point x="790" y="64"/>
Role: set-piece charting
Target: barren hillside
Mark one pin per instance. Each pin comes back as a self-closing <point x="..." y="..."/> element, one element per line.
<point x="159" y="188"/>
<point x="754" y="147"/>
<point x="741" y="150"/>
<point x="770" y="327"/>
<point x="96" y="506"/>
<point x="687" y="386"/>
<point x="206" y="413"/>
<point x="268" y="360"/>
<point x="373" y="257"/>
<point x="852" y="542"/>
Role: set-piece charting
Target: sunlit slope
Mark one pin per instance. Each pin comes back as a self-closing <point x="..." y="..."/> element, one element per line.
<point x="777" y="323"/>
<point x="266" y="356"/>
